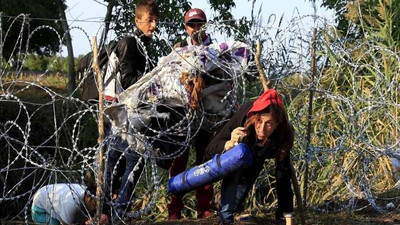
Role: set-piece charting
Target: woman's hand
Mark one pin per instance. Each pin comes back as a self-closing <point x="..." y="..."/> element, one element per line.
<point x="237" y="136"/>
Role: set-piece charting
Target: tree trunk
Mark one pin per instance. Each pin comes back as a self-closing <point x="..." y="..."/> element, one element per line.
<point x="68" y="42"/>
<point x="107" y="20"/>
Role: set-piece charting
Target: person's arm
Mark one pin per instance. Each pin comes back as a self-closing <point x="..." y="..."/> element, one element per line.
<point x="216" y="146"/>
<point x="127" y="52"/>
<point x="237" y="135"/>
<point x="222" y="140"/>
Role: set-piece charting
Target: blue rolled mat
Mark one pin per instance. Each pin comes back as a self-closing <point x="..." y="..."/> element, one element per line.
<point x="215" y="169"/>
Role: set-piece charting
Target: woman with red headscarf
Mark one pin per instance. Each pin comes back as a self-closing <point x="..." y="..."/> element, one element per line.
<point x="264" y="127"/>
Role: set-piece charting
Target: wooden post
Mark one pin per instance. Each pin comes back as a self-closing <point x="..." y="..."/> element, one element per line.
<point x="265" y="84"/>
<point x="101" y="132"/>
<point x="310" y="110"/>
<point x="263" y="79"/>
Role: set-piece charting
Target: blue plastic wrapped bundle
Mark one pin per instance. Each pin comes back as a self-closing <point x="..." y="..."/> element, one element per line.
<point x="213" y="170"/>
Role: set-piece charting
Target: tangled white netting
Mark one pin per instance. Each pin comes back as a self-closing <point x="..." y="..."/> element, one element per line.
<point x="354" y="119"/>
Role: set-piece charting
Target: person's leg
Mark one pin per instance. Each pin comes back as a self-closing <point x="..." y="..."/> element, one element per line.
<point x="284" y="191"/>
<point x="113" y="157"/>
<point x="233" y="194"/>
<point x="241" y="194"/>
<point x="54" y="221"/>
<point x="204" y="194"/>
<point x="113" y="174"/>
<point x="175" y="205"/>
<point x="51" y="218"/>
<point x="40" y="216"/>
<point x="228" y="198"/>
<point x="133" y="170"/>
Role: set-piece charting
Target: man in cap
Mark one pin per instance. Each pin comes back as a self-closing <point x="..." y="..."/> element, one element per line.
<point x="194" y="20"/>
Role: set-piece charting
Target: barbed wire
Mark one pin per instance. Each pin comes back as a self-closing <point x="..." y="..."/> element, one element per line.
<point x="354" y="122"/>
<point x="102" y="21"/>
<point x="88" y="20"/>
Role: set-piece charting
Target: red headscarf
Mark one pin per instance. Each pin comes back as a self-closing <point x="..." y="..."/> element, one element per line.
<point x="269" y="97"/>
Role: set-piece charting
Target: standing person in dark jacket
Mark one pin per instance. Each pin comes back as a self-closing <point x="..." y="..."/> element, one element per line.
<point x="129" y="61"/>
<point x="127" y="64"/>
<point x="194" y="20"/>
<point x="264" y="127"/>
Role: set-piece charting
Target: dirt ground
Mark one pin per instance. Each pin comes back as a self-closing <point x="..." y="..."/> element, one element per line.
<point x="314" y="219"/>
<point x="311" y="218"/>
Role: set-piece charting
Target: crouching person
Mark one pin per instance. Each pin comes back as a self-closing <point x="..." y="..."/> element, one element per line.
<point x="64" y="204"/>
<point x="264" y="127"/>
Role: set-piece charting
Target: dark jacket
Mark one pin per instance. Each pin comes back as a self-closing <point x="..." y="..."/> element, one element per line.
<point x="260" y="153"/>
<point x="132" y="58"/>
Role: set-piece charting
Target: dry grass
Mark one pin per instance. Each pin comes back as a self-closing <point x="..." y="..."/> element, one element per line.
<point x="31" y="86"/>
<point x="51" y="80"/>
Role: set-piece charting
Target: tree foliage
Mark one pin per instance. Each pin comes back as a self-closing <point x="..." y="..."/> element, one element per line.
<point x="43" y="12"/>
<point x="121" y="19"/>
<point x="172" y="21"/>
<point x="372" y="16"/>
<point x="238" y="28"/>
<point x="340" y="7"/>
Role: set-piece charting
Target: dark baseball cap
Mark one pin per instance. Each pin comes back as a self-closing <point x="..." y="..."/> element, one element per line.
<point x="195" y="14"/>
